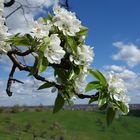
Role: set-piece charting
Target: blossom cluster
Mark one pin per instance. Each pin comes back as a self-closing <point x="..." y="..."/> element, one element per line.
<point x="66" y="22"/>
<point x="3" y="31"/>
<point x="117" y="90"/>
<point x="63" y="24"/>
<point x="58" y="41"/>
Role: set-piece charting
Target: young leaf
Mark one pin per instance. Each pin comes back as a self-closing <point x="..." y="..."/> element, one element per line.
<point x="98" y="75"/>
<point x="110" y="115"/>
<point x="59" y="103"/>
<point x="25" y="40"/>
<point x="102" y="101"/>
<point x="103" y="107"/>
<point x="50" y="16"/>
<point x="92" y="85"/>
<point x="123" y="107"/>
<point x="72" y="43"/>
<point x="34" y="68"/>
<point x="43" y="64"/>
<point x="83" y="32"/>
<point x="92" y="100"/>
<point x="101" y="77"/>
<point x="62" y="74"/>
<point x="45" y="85"/>
<point x="71" y="75"/>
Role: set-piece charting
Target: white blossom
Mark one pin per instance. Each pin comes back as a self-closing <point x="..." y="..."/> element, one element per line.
<point x="39" y="28"/>
<point x="66" y="21"/>
<point x="84" y="56"/>
<point x="54" y="51"/>
<point x="117" y="89"/>
<point x="4" y="47"/>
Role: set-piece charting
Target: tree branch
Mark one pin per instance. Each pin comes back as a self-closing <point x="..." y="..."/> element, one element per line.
<point x="13" y="11"/>
<point x="83" y="96"/>
<point x="10" y="3"/>
<point x="9" y="83"/>
<point x="12" y="55"/>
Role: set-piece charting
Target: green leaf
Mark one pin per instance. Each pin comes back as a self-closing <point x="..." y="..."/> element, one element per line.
<point x="77" y="70"/>
<point x="62" y="74"/>
<point x="102" y="101"/>
<point x="43" y="64"/>
<point x="59" y="103"/>
<point x="98" y="75"/>
<point x="110" y="115"/>
<point x="25" y="40"/>
<point x="103" y="107"/>
<point x="92" y="85"/>
<point x="34" y="68"/>
<point x="72" y="43"/>
<point x="83" y="32"/>
<point x="92" y="100"/>
<point x="123" y="107"/>
<point x="45" y="85"/>
<point x="50" y="16"/>
<point x="74" y="72"/>
<point x="71" y="75"/>
<point x="44" y="45"/>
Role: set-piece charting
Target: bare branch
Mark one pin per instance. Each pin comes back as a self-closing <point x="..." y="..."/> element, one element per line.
<point x="13" y="11"/>
<point x="12" y="55"/>
<point x="9" y="83"/>
<point x="83" y="96"/>
<point x="10" y="3"/>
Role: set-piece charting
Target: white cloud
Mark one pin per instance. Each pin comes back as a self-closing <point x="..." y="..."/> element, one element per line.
<point x="129" y="53"/>
<point x="26" y="94"/>
<point x="121" y="71"/>
<point x="19" y="21"/>
<point x="114" y="68"/>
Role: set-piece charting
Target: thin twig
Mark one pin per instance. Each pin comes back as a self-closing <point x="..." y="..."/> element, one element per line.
<point x="9" y="83"/>
<point x="10" y="3"/>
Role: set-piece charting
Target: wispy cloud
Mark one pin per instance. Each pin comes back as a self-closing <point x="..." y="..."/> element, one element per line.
<point x="18" y="22"/>
<point x="129" y="53"/>
<point x="26" y="94"/>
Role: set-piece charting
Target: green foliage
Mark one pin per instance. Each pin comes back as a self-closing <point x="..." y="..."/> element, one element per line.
<point x="72" y="43"/>
<point x="59" y="103"/>
<point x="92" y="85"/>
<point x="19" y="40"/>
<point x="45" y="85"/>
<point x="43" y="64"/>
<point x="82" y="32"/>
<point x="99" y="85"/>
<point x="110" y="115"/>
<point x="92" y="100"/>
<point x="123" y="107"/>
<point x="99" y="76"/>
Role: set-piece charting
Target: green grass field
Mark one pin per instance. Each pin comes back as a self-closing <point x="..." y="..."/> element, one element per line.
<point x="66" y="125"/>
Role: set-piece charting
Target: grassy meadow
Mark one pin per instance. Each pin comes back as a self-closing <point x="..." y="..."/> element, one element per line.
<point x="41" y="124"/>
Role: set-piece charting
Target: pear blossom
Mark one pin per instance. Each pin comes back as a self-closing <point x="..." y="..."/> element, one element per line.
<point x="40" y="29"/>
<point x="84" y="55"/>
<point x="4" y="47"/>
<point x="66" y="21"/>
<point x="54" y="51"/>
<point x="117" y="89"/>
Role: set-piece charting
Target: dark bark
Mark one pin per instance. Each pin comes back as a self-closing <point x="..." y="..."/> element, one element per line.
<point x="10" y="3"/>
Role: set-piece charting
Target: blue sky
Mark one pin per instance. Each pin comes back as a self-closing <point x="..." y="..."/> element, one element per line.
<point x="114" y="32"/>
<point x="109" y="21"/>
